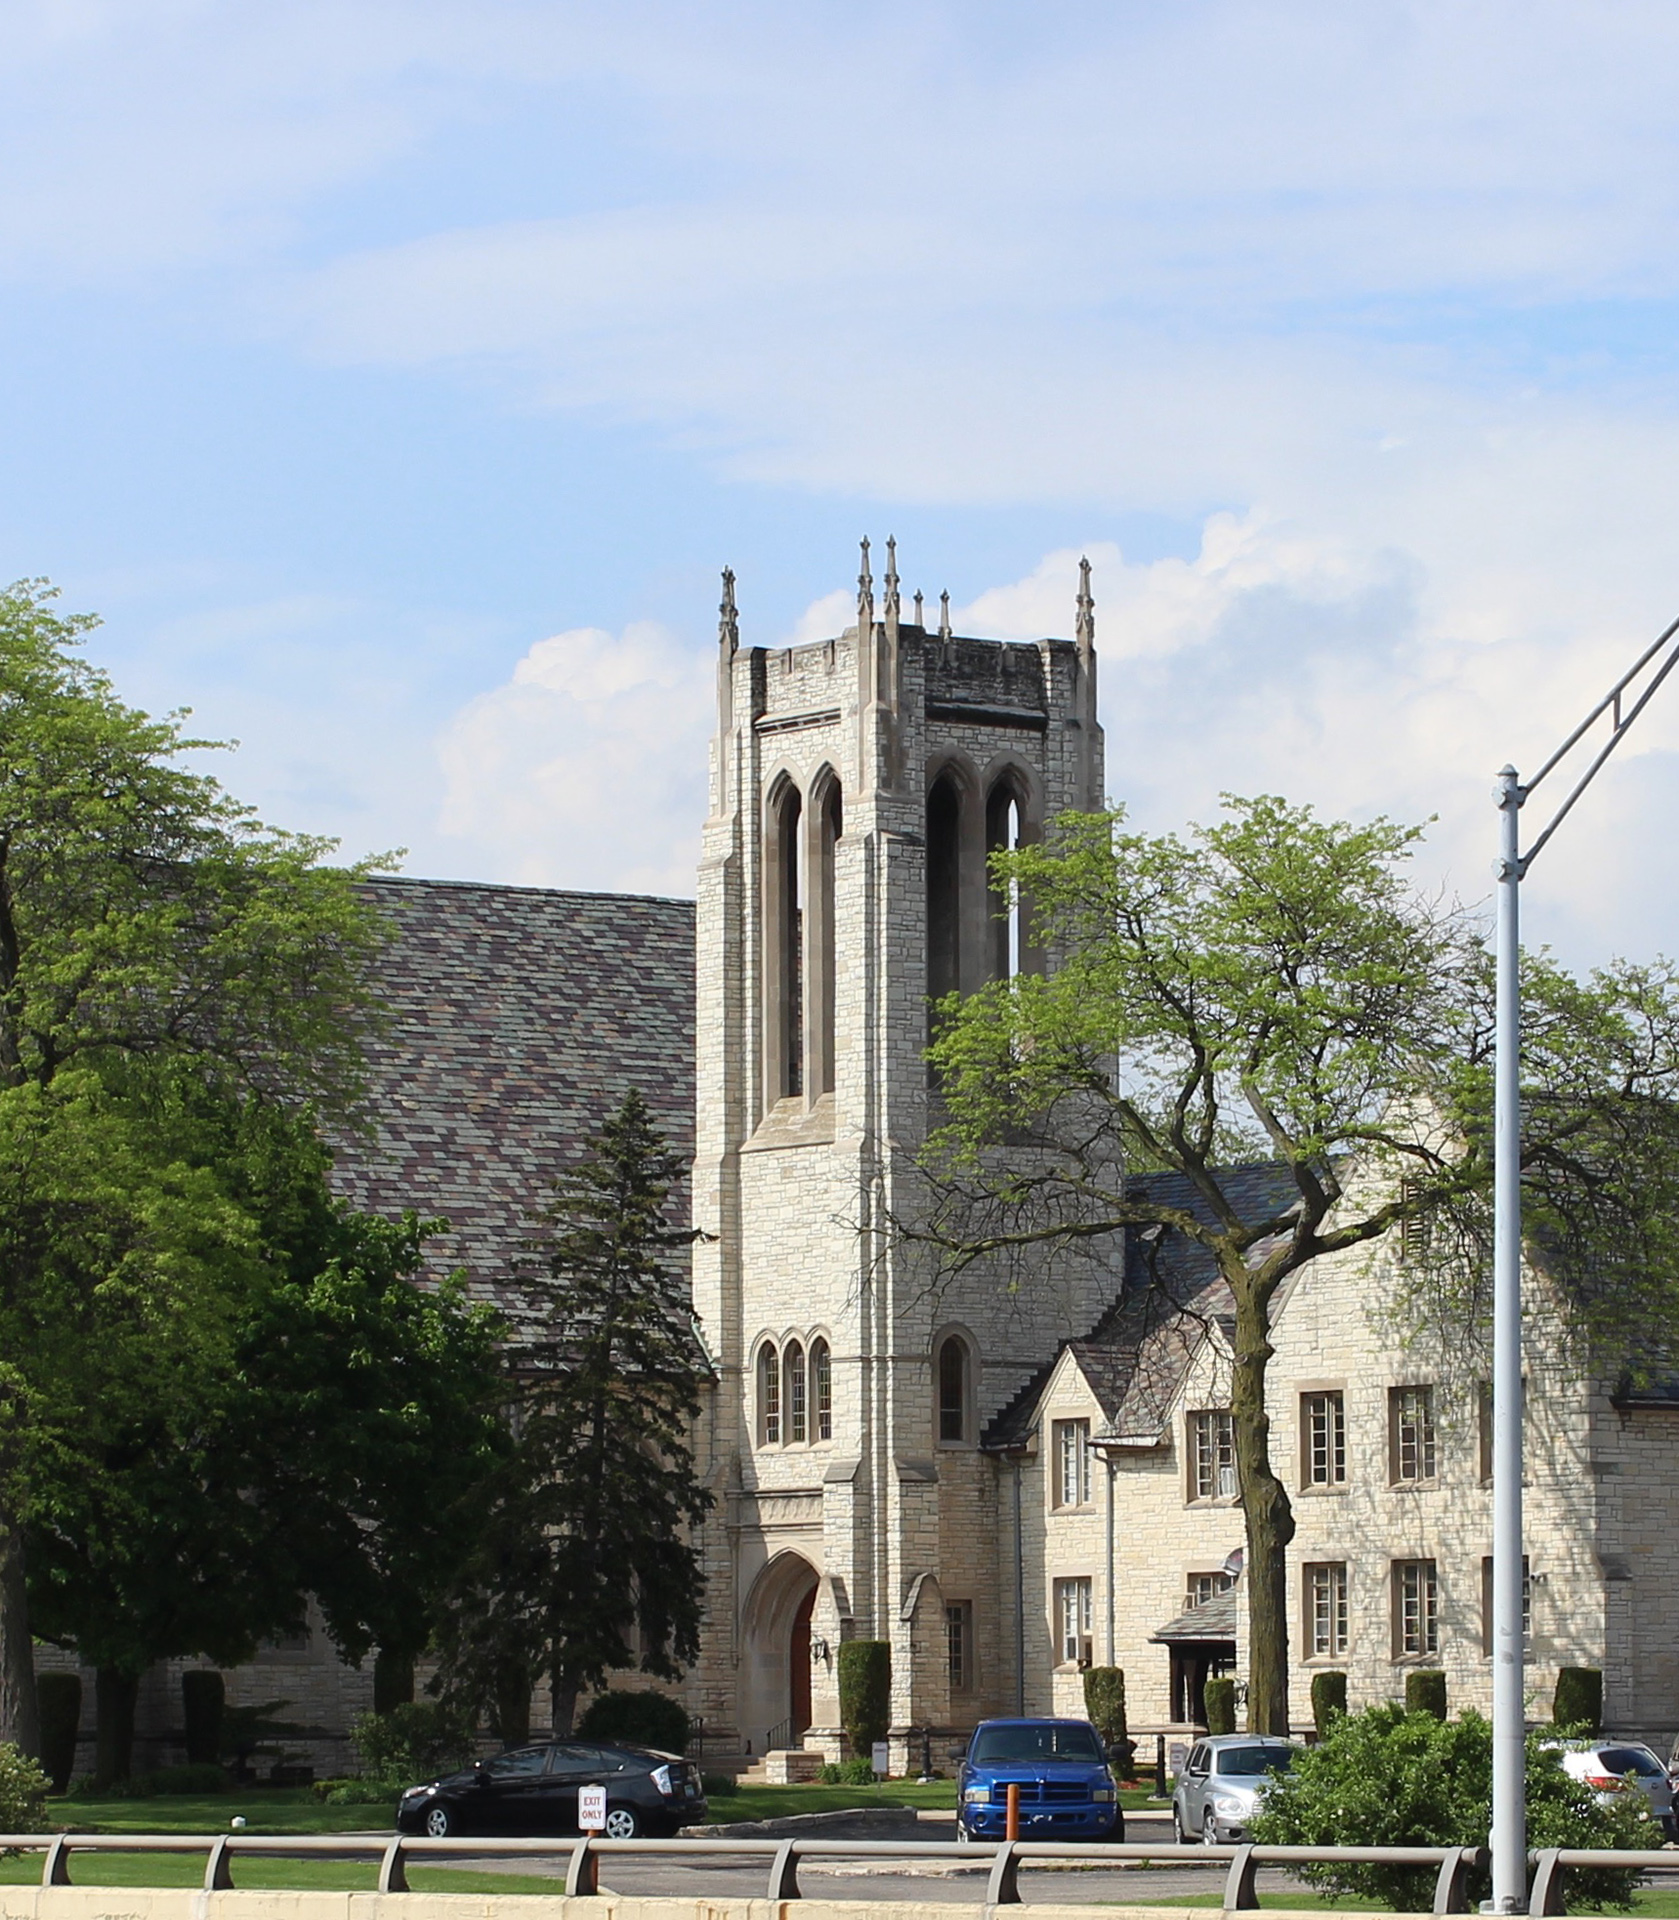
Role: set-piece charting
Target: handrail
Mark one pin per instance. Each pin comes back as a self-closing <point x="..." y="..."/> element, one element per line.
<point x="583" y="1855"/>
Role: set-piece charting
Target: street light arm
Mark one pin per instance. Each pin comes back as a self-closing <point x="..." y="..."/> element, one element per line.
<point x="1619" y="723"/>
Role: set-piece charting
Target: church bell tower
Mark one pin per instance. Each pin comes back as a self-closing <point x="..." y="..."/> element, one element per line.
<point x="858" y="786"/>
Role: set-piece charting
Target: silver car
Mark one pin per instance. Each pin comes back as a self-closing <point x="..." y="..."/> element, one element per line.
<point x="1611" y="1766"/>
<point x="1222" y="1780"/>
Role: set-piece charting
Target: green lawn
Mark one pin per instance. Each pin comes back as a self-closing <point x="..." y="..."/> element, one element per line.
<point x="326" y="1876"/>
<point x="266" y="1810"/>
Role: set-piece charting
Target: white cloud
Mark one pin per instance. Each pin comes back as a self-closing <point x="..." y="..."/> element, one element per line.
<point x="1282" y="663"/>
<point x="587" y="767"/>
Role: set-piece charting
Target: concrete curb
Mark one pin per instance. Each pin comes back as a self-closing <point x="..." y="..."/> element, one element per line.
<point x="842" y="1823"/>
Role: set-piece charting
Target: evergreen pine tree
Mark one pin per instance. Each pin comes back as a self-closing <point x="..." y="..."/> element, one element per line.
<point x="588" y="1562"/>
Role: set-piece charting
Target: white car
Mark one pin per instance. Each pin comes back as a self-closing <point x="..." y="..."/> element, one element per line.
<point x="1221" y="1783"/>
<point x="1609" y="1767"/>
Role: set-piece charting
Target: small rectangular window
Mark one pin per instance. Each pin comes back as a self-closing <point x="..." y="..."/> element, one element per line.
<point x="1073" y="1614"/>
<point x="1411" y="1415"/>
<point x="1323" y="1439"/>
<point x="1326" y="1610"/>
<point x="959" y="1643"/>
<point x="796" y="1392"/>
<point x="1212" y="1437"/>
<point x="1201" y="1587"/>
<point x="1486" y="1605"/>
<point x="1483" y="1429"/>
<point x="1416" y="1608"/>
<point x="1072" y="1463"/>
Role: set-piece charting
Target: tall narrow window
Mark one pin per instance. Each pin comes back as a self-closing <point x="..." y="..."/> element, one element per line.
<point x="796" y="1410"/>
<point x="1416" y="1608"/>
<point x="1326" y="1610"/>
<point x="829" y="825"/>
<point x="769" y="1395"/>
<point x="1072" y="1463"/>
<point x="944" y="888"/>
<point x="1411" y="1414"/>
<point x="1073" y="1612"/>
<point x="1487" y="1634"/>
<point x="822" y="1388"/>
<point x="1002" y="835"/>
<point x="1323" y="1439"/>
<point x="1212" y="1439"/>
<point x="959" y="1644"/>
<point x="953" y="1390"/>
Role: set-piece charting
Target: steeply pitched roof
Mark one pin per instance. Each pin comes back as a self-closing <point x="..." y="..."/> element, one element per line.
<point x="1171" y="1294"/>
<point x="518" y="1019"/>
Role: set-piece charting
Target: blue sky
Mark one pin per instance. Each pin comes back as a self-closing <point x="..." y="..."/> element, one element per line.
<point x="395" y="379"/>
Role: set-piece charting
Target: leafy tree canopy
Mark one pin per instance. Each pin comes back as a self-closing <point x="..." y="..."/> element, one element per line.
<point x="1274" y="988"/>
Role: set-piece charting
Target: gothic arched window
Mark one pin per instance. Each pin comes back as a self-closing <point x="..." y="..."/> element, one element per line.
<point x="769" y="1395"/>
<point x="953" y="1389"/>
<point x="1004" y="818"/>
<point x="795" y="1378"/>
<point x="822" y="1388"/>
<point x="827" y="827"/>
<point x="944" y="887"/>
<point x="784" y="1012"/>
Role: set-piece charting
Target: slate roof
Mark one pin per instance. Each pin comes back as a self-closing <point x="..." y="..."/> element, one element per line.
<point x="518" y="1019"/>
<point x="1170" y="1295"/>
<point x="1214" y="1619"/>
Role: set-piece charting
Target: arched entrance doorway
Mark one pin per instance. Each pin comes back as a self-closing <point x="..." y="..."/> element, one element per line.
<point x="774" y="1705"/>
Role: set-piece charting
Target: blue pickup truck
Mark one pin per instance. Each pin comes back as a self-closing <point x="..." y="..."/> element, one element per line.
<point x="1066" y="1789"/>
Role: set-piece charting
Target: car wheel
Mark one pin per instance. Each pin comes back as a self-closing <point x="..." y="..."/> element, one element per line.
<point x="1209" y="1831"/>
<point x="440" y="1822"/>
<point x="1178" y="1833"/>
<point x="621" y="1824"/>
<point x="963" y="1837"/>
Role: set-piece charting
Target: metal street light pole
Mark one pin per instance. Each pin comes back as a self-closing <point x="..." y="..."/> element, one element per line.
<point x="1509" y="1732"/>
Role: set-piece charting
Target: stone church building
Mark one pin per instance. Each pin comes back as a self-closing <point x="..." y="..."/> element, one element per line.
<point x="997" y="1478"/>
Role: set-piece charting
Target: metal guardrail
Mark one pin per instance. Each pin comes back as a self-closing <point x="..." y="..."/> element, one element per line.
<point x="583" y="1858"/>
<point x="1549" y="1864"/>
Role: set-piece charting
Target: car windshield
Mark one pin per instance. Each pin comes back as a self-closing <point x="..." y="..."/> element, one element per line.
<point x="1251" y="1760"/>
<point x="1639" y="1760"/>
<point x="1053" y="1740"/>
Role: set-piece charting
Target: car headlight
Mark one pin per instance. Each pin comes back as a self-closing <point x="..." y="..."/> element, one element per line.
<point x="1104" y="1795"/>
<point x="976" y="1796"/>
<point x="1227" y="1803"/>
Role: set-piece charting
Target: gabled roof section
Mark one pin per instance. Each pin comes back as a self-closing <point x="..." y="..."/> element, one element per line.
<point x="1171" y="1299"/>
<point x="518" y="1019"/>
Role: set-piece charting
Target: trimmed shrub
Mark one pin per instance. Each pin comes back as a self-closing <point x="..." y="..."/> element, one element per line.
<point x="718" y="1786"/>
<point x="23" y="1792"/>
<point x="1329" y="1697"/>
<point x="1577" y="1703"/>
<point x="643" y="1719"/>
<point x="412" y="1742"/>
<point x="1425" y="1692"/>
<point x="847" y="1773"/>
<point x="1221" y="1704"/>
<point x="1104" y="1702"/>
<point x="865" y="1692"/>
<point x="60" y="1699"/>
<point x="203" y="1696"/>
<point x="1391" y="1778"/>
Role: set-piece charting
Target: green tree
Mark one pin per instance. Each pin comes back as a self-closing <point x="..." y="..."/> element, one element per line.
<point x="329" y="1446"/>
<point x="146" y="919"/>
<point x="1388" y="1778"/>
<point x="588" y="1544"/>
<point x="1272" y="989"/>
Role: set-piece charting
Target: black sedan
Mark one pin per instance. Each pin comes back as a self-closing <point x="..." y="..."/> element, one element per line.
<point x="533" y="1790"/>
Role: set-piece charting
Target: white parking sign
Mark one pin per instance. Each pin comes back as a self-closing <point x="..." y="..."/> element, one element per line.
<point x="591" y="1808"/>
